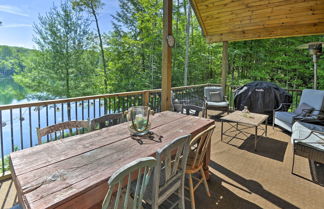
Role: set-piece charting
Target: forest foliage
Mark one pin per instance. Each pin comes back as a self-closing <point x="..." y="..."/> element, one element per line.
<point x="68" y="61"/>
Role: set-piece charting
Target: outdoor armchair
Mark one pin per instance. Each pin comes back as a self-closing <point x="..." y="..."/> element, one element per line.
<point x="310" y="109"/>
<point x="308" y="142"/>
<point x="215" y="99"/>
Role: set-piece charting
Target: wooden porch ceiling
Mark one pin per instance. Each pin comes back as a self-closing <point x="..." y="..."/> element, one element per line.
<point x="235" y="20"/>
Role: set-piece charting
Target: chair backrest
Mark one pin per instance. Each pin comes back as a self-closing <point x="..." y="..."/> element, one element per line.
<point x="107" y="120"/>
<point x="192" y="110"/>
<point x="209" y="89"/>
<point x="314" y="98"/>
<point x="198" y="148"/>
<point x="120" y="184"/>
<point x="60" y="127"/>
<point x="170" y="169"/>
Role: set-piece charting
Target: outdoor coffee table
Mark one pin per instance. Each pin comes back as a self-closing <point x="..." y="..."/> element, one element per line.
<point x="246" y="119"/>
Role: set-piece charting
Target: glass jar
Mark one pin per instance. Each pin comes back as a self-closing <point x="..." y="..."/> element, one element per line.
<point x="139" y="120"/>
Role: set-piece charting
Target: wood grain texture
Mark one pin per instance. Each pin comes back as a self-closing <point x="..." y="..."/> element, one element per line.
<point x="71" y="172"/>
<point x="61" y="127"/>
<point x="230" y="20"/>
<point x="166" y="56"/>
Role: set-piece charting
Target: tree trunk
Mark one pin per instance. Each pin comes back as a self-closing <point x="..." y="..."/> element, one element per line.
<point x="187" y="46"/>
<point x="102" y="56"/>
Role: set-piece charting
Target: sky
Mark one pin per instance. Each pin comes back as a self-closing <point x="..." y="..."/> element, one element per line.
<point x="18" y="17"/>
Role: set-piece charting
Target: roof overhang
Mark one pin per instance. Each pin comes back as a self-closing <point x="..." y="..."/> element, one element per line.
<point x="236" y="20"/>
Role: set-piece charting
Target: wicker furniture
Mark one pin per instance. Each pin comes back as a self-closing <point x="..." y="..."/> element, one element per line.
<point x="220" y="103"/>
<point x="121" y="182"/>
<point x="254" y="120"/>
<point x="199" y="146"/>
<point x="309" y="97"/>
<point x="308" y="142"/>
<point x="60" y="127"/>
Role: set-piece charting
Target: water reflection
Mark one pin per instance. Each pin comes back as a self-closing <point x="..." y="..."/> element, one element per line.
<point x="11" y="92"/>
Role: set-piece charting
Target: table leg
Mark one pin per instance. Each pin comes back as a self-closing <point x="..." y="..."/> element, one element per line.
<point x="222" y="131"/>
<point x="255" y="137"/>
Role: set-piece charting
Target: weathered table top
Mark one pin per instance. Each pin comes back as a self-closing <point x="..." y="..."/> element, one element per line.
<point x="252" y="119"/>
<point x="73" y="172"/>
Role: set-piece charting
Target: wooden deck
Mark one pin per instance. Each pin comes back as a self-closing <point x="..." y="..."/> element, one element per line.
<point x="243" y="178"/>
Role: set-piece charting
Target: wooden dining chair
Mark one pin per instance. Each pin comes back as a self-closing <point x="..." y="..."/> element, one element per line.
<point x="60" y="127"/>
<point x="198" y="149"/>
<point x="193" y="110"/>
<point x="107" y="120"/>
<point x="169" y="175"/>
<point x="118" y="195"/>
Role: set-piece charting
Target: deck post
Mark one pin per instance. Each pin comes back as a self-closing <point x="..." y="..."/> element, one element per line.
<point x="146" y="98"/>
<point x="224" y="65"/>
<point x="166" y="55"/>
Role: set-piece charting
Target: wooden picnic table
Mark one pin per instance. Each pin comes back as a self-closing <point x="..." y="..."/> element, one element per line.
<point x="73" y="172"/>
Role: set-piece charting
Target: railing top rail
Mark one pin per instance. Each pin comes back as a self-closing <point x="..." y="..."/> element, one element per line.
<point x="77" y="99"/>
<point x="74" y="99"/>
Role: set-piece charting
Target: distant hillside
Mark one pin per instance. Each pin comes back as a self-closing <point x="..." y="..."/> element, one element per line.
<point x="12" y="59"/>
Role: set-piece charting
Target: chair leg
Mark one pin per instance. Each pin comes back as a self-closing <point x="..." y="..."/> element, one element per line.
<point x="205" y="181"/>
<point x="293" y="162"/>
<point x="313" y="170"/>
<point x="181" y="197"/>
<point x="192" y="192"/>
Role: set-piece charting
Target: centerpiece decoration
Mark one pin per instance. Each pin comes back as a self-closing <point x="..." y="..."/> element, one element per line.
<point x="245" y="112"/>
<point x="139" y="120"/>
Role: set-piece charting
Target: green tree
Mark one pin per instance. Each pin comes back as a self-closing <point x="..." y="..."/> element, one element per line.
<point x="92" y="7"/>
<point x="62" y="67"/>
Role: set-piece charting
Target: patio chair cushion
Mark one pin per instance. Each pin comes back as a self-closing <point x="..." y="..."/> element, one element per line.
<point x="313" y="98"/>
<point x="216" y="96"/>
<point x="217" y="104"/>
<point x="304" y="109"/>
<point x="287" y="117"/>
<point x="301" y="132"/>
<point x="209" y="89"/>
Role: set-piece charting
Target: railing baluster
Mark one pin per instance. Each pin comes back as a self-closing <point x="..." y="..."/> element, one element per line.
<point x="55" y="135"/>
<point x="89" y="110"/>
<point x="82" y="105"/>
<point x="21" y="129"/>
<point x="62" y="106"/>
<point x="76" y="116"/>
<point x="30" y="128"/>
<point x="47" y="136"/>
<point x="109" y="105"/>
<point x="99" y="108"/>
<point x="94" y="108"/>
<point x="1" y="140"/>
<point x="114" y="104"/>
<point x="11" y="132"/>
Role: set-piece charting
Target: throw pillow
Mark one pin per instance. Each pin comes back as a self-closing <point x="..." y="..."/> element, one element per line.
<point x="215" y="96"/>
<point x="304" y="109"/>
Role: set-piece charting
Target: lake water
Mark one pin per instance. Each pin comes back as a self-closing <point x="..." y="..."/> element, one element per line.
<point x="11" y="92"/>
<point x="20" y="132"/>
